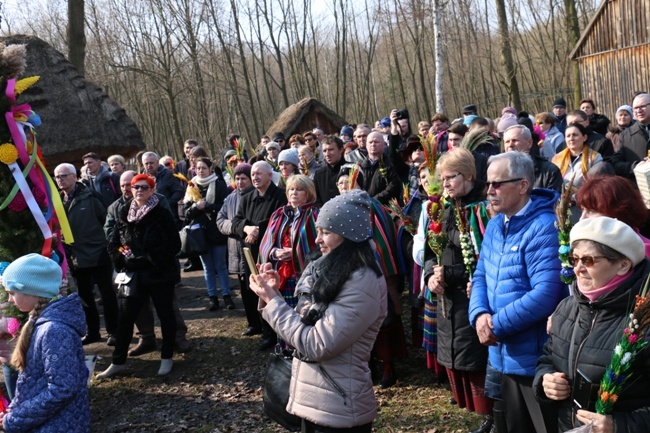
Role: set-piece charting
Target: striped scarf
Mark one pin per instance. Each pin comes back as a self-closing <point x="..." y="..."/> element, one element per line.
<point x="303" y="234"/>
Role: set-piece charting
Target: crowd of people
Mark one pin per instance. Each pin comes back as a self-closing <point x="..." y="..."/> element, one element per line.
<point x="458" y="220"/>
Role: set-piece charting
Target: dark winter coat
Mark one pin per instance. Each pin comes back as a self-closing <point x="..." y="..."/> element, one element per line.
<point x="113" y="212"/>
<point x="108" y="187"/>
<point x="599" y="123"/>
<point x="169" y="186"/>
<point x="256" y="210"/>
<point x="381" y="188"/>
<point x="325" y="181"/>
<point x="154" y="242"/>
<point x="547" y="174"/>
<point x="52" y="391"/>
<point x="458" y="344"/>
<point x="635" y="143"/>
<point x="596" y="328"/>
<point x="86" y="214"/>
<point x="208" y="216"/>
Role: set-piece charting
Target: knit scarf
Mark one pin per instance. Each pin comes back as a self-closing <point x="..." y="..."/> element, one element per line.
<point x="594" y="295"/>
<point x="563" y="160"/>
<point x="136" y="213"/>
<point x="210" y="181"/>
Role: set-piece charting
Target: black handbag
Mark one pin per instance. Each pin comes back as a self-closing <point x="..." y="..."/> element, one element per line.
<point x="275" y="395"/>
<point x="193" y="240"/>
<point x="127" y="284"/>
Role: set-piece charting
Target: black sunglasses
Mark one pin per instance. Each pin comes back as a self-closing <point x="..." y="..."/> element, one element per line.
<point x="140" y="187"/>
<point x="497" y="184"/>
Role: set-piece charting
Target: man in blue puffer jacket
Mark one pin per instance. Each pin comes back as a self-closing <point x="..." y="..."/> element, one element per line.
<point x="517" y="285"/>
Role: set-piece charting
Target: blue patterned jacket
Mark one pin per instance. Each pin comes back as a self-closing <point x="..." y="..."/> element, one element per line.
<point x="52" y="391"/>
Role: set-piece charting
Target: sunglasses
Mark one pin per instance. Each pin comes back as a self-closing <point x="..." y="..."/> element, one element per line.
<point x="588" y="261"/>
<point x="140" y="187"/>
<point x="498" y="184"/>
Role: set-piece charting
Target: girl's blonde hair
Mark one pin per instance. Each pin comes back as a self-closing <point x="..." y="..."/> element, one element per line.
<point x="19" y="357"/>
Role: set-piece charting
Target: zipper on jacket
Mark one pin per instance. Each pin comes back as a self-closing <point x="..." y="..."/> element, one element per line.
<point x="334" y="384"/>
<point x="575" y="363"/>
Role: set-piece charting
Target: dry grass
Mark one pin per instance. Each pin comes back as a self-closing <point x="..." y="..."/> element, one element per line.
<point x="217" y="387"/>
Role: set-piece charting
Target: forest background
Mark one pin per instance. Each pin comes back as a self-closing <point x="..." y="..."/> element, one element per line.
<point x="206" y="68"/>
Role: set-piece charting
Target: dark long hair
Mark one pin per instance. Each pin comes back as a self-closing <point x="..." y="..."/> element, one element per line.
<point x="335" y="269"/>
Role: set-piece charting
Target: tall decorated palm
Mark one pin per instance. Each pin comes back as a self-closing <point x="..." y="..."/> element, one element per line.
<point x="32" y="218"/>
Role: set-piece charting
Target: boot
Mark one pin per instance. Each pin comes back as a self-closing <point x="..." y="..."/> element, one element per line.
<point x="485" y="426"/>
<point x="165" y="367"/>
<point x="389" y="378"/>
<point x="214" y="303"/>
<point x="112" y="370"/>
<point x="500" y="425"/>
<point x="227" y="300"/>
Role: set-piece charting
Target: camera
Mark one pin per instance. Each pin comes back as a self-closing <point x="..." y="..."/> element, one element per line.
<point x="402" y="114"/>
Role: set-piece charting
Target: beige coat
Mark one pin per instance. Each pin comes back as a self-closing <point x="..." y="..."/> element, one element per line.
<point x="336" y="389"/>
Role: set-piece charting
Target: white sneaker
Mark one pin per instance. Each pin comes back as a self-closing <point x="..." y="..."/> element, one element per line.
<point x="112" y="370"/>
<point x="165" y="367"/>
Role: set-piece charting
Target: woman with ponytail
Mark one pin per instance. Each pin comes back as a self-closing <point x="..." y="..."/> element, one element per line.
<point x="52" y="391"/>
<point x="341" y="306"/>
<point x="577" y="158"/>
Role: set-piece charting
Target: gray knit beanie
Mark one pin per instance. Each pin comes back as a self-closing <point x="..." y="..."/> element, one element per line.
<point x="290" y="156"/>
<point x="347" y="215"/>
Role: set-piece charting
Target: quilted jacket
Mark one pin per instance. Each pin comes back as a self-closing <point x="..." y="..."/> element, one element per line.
<point x="334" y="388"/>
<point x="595" y="329"/>
<point x="52" y="391"/>
<point x="517" y="281"/>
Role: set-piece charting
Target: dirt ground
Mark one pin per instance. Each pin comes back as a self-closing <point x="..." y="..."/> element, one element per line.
<point x="217" y="386"/>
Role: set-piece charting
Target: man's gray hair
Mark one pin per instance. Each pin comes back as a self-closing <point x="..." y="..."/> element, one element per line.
<point x="262" y="165"/>
<point x="67" y="167"/>
<point x="148" y="154"/>
<point x="520" y="165"/>
<point x="523" y="128"/>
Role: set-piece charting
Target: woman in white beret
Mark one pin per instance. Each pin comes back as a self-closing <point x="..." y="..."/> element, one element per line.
<point x="610" y="265"/>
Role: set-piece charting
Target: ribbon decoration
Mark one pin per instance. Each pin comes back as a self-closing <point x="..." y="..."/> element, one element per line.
<point x="31" y="201"/>
<point x="17" y="122"/>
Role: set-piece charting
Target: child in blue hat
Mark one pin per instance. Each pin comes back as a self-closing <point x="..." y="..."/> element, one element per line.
<point x="52" y="390"/>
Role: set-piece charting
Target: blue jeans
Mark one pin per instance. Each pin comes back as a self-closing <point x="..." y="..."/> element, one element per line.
<point x="215" y="263"/>
<point x="11" y="376"/>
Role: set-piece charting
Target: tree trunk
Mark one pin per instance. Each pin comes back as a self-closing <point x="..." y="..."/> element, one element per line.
<point x="506" y="55"/>
<point x="76" y="35"/>
<point x="437" y="39"/>
<point x="574" y="34"/>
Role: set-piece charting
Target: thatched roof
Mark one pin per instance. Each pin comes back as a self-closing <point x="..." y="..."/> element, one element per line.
<point x="77" y="116"/>
<point x="306" y="115"/>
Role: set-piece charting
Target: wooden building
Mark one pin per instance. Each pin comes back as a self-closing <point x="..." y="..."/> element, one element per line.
<point x="614" y="54"/>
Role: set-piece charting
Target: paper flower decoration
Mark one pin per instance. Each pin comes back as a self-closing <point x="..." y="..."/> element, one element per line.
<point x="8" y="153"/>
<point x="18" y="204"/>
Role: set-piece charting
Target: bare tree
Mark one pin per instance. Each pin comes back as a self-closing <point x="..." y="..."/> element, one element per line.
<point x="76" y="34"/>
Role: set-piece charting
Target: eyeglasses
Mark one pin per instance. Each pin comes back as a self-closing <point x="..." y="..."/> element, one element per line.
<point x="309" y="139"/>
<point x="62" y="176"/>
<point x="450" y="178"/>
<point x="140" y="187"/>
<point x="498" y="184"/>
<point x="588" y="261"/>
<point x="641" y="107"/>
